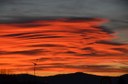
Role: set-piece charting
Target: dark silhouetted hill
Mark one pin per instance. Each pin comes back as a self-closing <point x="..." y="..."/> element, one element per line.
<point x="73" y="78"/>
<point x="123" y="79"/>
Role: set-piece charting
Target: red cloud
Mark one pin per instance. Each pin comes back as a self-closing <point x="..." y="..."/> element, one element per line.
<point x="66" y="45"/>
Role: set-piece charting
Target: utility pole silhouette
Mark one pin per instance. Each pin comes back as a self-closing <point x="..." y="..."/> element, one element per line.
<point x="106" y="80"/>
<point x="34" y="68"/>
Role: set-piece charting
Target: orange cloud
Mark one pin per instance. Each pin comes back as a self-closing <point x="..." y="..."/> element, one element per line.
<point x="61" y="46"/>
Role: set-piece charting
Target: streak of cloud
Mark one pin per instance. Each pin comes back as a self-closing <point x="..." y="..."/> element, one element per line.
<point x="65" y="44"/>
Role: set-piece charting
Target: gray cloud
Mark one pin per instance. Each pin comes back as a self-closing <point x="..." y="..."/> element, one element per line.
<point x="25" y="52"/>
<point x="121" y="50"/>
<point x="47" y="45"/>
<point x="30" y="25"/>
<point x="32" y="35"/>
<point x="110" y="43"/>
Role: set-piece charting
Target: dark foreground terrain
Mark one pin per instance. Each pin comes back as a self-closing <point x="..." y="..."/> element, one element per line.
<point x="74" y="78"/>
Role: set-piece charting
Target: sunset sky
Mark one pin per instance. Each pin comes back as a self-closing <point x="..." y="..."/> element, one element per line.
<point x="63" y="45"/>
<point x="64" y="36"/>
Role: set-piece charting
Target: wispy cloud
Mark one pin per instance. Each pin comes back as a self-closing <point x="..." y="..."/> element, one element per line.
<point x="70" y="44"/>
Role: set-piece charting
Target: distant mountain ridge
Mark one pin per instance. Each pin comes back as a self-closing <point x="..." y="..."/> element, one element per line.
<point x="73" y="78"/>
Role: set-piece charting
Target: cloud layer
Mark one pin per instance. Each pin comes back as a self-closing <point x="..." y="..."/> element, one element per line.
<point x="62" y="45"/>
